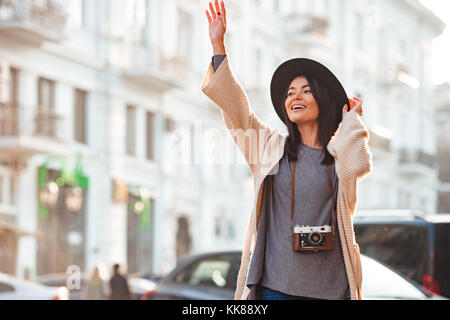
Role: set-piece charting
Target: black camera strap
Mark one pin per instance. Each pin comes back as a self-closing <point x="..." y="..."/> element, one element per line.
<point x="292" y="199"/>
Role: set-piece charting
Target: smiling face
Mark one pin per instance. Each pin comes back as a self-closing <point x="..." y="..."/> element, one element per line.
<point x="300" y="104"/>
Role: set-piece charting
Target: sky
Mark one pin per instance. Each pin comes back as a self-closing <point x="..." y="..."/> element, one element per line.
<point x="441" y="45"/>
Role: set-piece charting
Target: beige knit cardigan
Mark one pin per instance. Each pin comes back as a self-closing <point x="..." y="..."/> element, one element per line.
<point x="263" y="146"/>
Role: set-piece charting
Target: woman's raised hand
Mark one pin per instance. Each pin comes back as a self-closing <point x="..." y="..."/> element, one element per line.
<point x="217" y="19"/>
<point x="354" y="103"/>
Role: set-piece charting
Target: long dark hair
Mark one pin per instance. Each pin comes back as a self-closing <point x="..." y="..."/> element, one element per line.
<point x="329" y="119"/>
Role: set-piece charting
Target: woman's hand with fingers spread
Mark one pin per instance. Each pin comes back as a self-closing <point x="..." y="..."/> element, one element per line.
<point x="217" y="19"/>
<point x="355" y="103"/>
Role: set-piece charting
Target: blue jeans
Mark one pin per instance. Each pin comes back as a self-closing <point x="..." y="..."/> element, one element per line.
<point x="269" y="294"/>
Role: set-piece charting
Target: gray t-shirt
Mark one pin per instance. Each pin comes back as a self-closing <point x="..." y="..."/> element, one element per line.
<point x="274" y="264"/>
<point x="217" y="60"/>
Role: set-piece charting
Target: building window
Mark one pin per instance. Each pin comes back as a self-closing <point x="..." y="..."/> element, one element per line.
<point x="169" y="124"/>
<point x="404" y="199"/>
<point x="1" y="190"/>
<point x="403" y="50"/>
<point x="77" y="17"/>
<point x="231" y="230"/>
<point x="276" y="5"/>
<point x="149" y="136"/>
<point x="193" y="144"/>
<point x="359" y="32"/>
<point x="257" y="65"/>
<point x="9" y="85"/>
<point x="14" y="87"/>
<point x="183" y="238"/>
<point x="218" y="226"/>
<point x="223" y="226"/>
<point x="12" y="191"/>
<point x="4" y="82"/>
<point x="80" y="116"/>
<point x="6" y="189"/>
<point x="184" y="36"/>
<point x="139" y="21"/>
<point x="131" y="131"/>
<point x="46" y="93"/>
<point x="46" y="117"/>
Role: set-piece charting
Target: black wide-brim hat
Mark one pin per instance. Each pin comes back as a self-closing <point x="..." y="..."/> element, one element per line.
<point x="293" y="68"/>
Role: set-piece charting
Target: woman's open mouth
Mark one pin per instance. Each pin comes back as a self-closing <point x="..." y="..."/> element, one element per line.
<point x="298" y="107"/>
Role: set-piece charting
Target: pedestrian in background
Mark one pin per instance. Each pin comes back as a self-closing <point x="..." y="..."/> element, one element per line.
<point x="97" y="285"/>
<point x="119" y="285"/>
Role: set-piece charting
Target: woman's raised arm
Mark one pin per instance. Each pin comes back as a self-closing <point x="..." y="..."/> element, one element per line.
<point x="217" y="19"/>
<point x="220" y="85"/>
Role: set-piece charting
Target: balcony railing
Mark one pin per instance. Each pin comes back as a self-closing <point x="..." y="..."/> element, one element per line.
<point x="25" y="132"/>
<point x="308" y="29"/>
<point x="380" y="142"/>
<point x="394" y="72"/>
<point x="150" y="66"/>
<point x="31" y="20"/>
<point x="417" y="157"/>
<point x="380" y="138"/>
<point x="39" y="122"/>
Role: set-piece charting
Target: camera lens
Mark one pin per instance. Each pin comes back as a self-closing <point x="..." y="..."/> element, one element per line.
<point x="315" y="238"/>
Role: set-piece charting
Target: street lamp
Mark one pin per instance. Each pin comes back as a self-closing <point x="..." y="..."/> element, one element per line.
<point x="74" y="199"/>
<point x="138" y="207"/>
<point x="48" y="194"/>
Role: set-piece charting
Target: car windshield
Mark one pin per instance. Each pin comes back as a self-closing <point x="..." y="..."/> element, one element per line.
<point x="380" y="282"/>
<point x="402" y="247"/>
<point x="212" y="272"/>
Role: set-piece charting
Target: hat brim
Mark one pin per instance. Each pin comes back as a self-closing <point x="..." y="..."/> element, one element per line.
<point x="290" y="69"/>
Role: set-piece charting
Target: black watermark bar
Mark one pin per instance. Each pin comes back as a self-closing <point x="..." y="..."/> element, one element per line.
<point x="223" y="309"/>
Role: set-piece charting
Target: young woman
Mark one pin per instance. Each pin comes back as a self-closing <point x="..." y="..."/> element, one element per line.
<point x="307" y="178"/>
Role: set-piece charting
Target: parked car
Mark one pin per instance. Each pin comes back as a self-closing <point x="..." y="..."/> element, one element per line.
<point x="212" y="276"/>
<point x="148" y="275"/>
<point x="380" y="282"/>
<point x="138" y="286"/>
<point x="413" y="242"/>
<point x="60" y="280"/>
<point x="12" y="288"/>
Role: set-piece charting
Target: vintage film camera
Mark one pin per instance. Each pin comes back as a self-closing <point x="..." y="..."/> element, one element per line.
<point x="312" y="239"/>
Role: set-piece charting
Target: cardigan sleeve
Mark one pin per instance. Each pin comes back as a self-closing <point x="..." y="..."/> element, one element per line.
<point x="248" y="131"/>
<point x="349" y="147"/>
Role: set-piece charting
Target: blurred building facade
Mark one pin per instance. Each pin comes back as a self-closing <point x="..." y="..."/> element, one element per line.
<point x="103" y="99"/>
